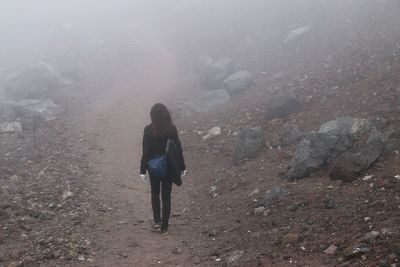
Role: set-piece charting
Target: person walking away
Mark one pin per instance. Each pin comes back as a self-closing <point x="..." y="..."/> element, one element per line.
<point x="156" y="136"/>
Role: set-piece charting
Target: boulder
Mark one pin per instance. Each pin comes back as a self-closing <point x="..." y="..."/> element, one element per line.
<point x="315" y="150"/>
<point x="281" y="107"/>
<point x="38" y="82"/>
<point x="249" y="141"/>
<point x="391" y="139"/>
<point x="10" y="127"/>
<point x="354" y="127"/>
<point x="216" y="72"/>
<point x="275" y="193"/>
<point x="290" y="134"/>
<point x="207" y="101"/>
<point x="45" y="109"/>
<point x="333" y="139"/>
<point x="239" y="82"/>
<point x="350" y="165"/>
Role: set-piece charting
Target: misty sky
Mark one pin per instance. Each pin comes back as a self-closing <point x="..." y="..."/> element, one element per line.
<point x="33" y="30"/>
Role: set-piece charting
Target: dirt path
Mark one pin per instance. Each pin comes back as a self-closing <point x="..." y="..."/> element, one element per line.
<point x="116" y="122"/>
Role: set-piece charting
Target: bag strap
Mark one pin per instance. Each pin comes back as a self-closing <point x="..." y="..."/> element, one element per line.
<point x="167" y="146"/>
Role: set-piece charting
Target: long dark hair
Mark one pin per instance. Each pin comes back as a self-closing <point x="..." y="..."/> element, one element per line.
<point x="160" y="120"/>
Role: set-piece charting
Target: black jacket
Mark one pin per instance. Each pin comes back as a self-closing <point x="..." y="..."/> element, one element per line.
<point x="173" y="164"/>
<point x="155" y="146"/>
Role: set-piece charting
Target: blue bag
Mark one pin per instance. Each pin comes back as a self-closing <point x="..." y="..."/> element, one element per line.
<point x="158" y="165"/>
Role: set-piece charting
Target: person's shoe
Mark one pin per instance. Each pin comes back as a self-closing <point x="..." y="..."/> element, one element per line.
<point x="164" y="230"/>
<point x="156" y="225"/>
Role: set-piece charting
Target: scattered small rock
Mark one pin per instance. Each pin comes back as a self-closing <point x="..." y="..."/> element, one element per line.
<point x="67" y="194"/>
<point x="368" y="177"/>
<point x="214" y="132"/>
<point x="212" y="233"/>
<point x="290" y="238"/>
<point x="255" y="192"/>
<point x="234" y="257"/>
<point x="371" y="236"/>
<point x="331" y="250"/>
<point x="273" y="194"/>
<point x="329" y="203"/>
<point x="213" y="191"/>
<point x="259" y="211"/>
<point x="355" y="251"/>
<point x="383" y="263"/>
<point x="177" y="251"/>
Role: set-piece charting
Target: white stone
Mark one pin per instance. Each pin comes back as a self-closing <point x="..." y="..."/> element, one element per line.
<point x="10" y="127"/>
<point x="213" y="132"/>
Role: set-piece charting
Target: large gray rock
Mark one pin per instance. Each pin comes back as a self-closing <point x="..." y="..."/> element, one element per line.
<point x="207" y="101"/>
<point x="214" y="73"/>
<point x="10" y="127"/>
<point x="248" y="143"/>
<point x="239" y="82"/>
<point x="315" y="150"/>
<point x="281" y="107"/>
<point x="353" y="127"/>
<point x="45" y="109"/>
<point x="290" y="134"/>
<point x="38" y="82"/>
<point x="350" y="165"/>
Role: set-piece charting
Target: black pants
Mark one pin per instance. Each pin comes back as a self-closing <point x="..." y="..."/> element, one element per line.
<point x="166" y="188"/>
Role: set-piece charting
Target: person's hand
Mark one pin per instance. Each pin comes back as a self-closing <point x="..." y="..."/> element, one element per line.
<point x="143" y="177"/>
<point x="183" y="173"/>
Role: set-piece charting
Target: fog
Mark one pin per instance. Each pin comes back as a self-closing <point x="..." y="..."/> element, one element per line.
<point x="263" y="94"/>
<point x="70" y="32"/>
<point x="110" y="39"/>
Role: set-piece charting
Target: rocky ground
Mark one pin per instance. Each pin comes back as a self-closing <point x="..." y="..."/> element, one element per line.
<point x="255" y="215"/>
<point x="45" y="199"/>
<point x="357" y="221"/>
